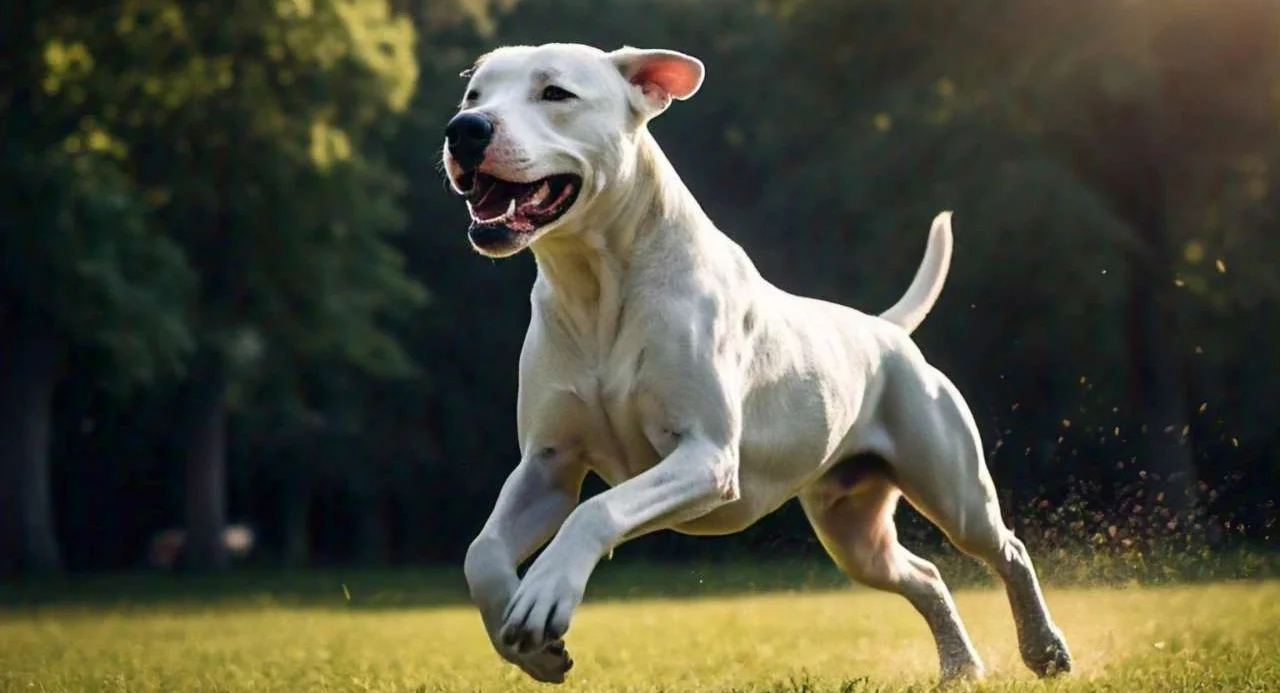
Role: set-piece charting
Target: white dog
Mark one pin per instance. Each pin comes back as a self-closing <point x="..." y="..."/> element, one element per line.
<point x="706" y="397"/>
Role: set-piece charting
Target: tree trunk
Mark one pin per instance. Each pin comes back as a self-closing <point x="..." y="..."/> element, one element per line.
<point x="1159" y="395"/>
<point x="30" y="350"/>
<point x="1135" y="164"/>
<point x="370" y="533"/>
<point x="206" y="467"/>
<point x="296" y="547"/>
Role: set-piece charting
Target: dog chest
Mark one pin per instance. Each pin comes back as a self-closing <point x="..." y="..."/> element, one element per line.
<point x="626" y="432"/>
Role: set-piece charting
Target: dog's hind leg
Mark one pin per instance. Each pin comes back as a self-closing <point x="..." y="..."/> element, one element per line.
<point x="855" y="524"/>
<point x="944" y="475"/>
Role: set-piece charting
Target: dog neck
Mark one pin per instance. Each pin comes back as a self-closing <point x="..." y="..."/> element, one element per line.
<point x="584" y="269"/>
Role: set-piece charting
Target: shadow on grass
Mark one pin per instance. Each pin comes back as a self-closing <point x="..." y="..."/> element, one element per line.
<point x="613" y="580"/>
<point x="797" y="684"/>
<point x="805" y="684"/>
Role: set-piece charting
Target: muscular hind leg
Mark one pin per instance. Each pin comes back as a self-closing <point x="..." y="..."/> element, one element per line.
<point x="944" y="475"/>
<point x="857" y="529"/>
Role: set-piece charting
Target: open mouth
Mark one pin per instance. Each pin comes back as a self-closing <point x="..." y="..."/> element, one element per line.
<point x="520" y="207"/>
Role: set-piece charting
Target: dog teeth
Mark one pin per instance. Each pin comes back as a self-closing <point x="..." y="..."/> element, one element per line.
<point x="505" y="216"/>
<point x="540" y="195"/>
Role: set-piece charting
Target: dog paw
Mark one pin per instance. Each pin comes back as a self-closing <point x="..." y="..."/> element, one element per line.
<point x="547" y="665"/>
<point x="539" y="613"/>
<point x="1051" y="659"/>
<point x="961" y="672"/>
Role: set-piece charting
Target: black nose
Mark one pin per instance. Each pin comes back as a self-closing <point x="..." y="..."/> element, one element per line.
<point x="468" y="134"/>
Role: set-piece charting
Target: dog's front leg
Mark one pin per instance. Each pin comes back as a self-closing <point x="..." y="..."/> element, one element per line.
<point x="697" y="477"/>
<point x="533" y="503"/>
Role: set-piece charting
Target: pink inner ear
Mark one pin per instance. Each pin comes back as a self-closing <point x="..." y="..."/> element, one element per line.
<point x="662" y="76"/>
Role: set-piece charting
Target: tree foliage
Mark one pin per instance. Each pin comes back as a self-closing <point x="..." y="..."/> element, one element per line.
<point x="256" y="186"/>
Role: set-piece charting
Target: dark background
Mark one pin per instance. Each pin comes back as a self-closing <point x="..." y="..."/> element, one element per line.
<point x="234" y="287"/>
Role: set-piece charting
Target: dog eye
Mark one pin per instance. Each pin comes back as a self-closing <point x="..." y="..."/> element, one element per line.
<point x="471" y="96"/>
<point x="554" y="93"/>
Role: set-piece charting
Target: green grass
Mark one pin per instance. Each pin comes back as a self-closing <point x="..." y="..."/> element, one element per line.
<point x="729" y="631"/>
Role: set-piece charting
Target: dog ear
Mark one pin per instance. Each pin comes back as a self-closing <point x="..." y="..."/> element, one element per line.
<point x="471" y="71"/>
<point x="658" y="76"/>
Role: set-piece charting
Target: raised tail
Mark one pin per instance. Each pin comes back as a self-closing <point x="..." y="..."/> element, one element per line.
<point x="915" y="304"/>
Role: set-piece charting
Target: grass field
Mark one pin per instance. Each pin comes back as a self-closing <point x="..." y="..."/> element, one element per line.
<point x="409" y="632"/>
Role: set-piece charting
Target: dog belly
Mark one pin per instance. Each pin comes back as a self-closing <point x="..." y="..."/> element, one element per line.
<point x="727" y="519"/>
<point x="759" y="497"/>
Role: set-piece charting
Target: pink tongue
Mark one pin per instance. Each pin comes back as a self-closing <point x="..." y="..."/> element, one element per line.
<point x="529" y="200"/>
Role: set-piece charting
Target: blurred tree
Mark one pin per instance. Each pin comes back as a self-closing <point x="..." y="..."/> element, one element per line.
<point x="1127" y="101"/>
<point x="1138" y="104"/>
<point x="268" y="148"/>
<point x="78" y="265"/>
<point x="1158" y="107"/>
<point x="257" y="133"/>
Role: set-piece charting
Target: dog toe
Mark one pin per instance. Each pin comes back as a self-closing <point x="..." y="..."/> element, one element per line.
<point x="962" y="672"/>
<point x="539" y="614"/>
<point x="1052" y="660"/>
<point x="557" y="626"/>
<point x="548" y="665"/>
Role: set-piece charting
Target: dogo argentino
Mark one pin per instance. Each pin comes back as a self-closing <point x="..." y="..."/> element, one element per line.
<point x="706" y="397"/>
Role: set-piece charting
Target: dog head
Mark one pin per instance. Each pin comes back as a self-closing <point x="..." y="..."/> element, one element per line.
<point x="542" y="131"/>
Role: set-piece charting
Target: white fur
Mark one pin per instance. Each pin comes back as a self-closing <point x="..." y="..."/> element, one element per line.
<point x="659" y="358"/>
